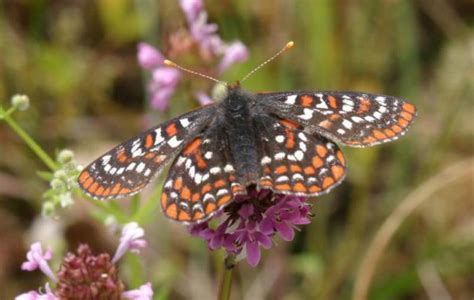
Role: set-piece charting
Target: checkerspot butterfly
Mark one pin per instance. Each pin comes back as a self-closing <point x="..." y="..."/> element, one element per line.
<point x="284" y="141"/>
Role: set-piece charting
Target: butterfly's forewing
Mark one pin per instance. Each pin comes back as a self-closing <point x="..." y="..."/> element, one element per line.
<point x="295" y="162"/>
<point x="201" y="180"/>
<point x="127" y="168"/>
<point x="353" y="119"/>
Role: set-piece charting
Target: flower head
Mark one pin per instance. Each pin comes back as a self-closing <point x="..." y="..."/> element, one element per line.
<point x="252" y="220"/>
<point x="235" y="52"/>
<point x="148" y="56"/>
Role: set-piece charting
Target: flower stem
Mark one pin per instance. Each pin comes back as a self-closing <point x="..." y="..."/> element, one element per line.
<point x="48" y="161"/>
<point x="226" y="284"/>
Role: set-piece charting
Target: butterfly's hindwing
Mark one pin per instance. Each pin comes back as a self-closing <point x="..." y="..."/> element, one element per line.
<point x="201" y="181"/>
<point x="297" y="163"/>
<point x="353" y="119"/>
<point x="127" y="168"/>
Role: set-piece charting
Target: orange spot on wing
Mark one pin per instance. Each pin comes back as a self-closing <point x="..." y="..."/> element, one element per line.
<point x="185" y="193"/>
<point x="178" y="183"/>
<point x="171" y="129"/>
<point x="106" y="192"/>
<point x="195" y="197"/>
<point x="121" y="156"/>
<point x="379" y="135"/>
<point x="337" y="171"/>
<point x="206" y="188"/>
<point x="289" y="123"/>
<point x="100" y="191"/>
<point x="369" y="140"/>
<point x="198" y="215"/>
<point x="281" y="170"/>
<point x="299" y="187"/>
<point x="306" y="101"/>
<point x="191" y="147"/>
<point x="210" y="207"/>
<point x="184" y="216"/>
<point x="310" y="170"/>
<point x="397" y="128"/>
<point x="83" y="177"/>
<point x="332" y="101"/>
<point x="290" y="139"/>
<point x="116" y="188"/>
<point x="409" y="107"/>
<point x="340" y="157"/>
<point x="237" y="188"/>
<point x="93" y="187"/>
<point x="327" y="182"/>
<point x="283" y="187"/>
<point x="265" y="182"/>
<point x="402" y="122"/>
<point x="88" y="182"/>
<point x="389" y="133"/>
<point x="159" y="159"/>
<point x="148" y="141"/>
<point x="124" y="191"/>
<point x="317" y="162"/>
<point x="219" y="183"/>
<point x="200" y="160"/>
<point x="223" y="200"/>
<point x="364" y="106"/>
<point x="325" y="124"/>
<point x="321" y="150"/>
<point x="335" y="117"/>
<point x="406" y="115"/>
<point x="295" y="168"/>
<point x="314" y="189"/>
<point x="172" y="211"/>
<point x="164" y="200"/>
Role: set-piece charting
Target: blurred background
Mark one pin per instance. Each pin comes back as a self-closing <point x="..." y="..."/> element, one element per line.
<point x="76" y="60"/>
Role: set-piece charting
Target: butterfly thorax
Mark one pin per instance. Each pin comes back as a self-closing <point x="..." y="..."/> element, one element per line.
<point x="241" y="135"/>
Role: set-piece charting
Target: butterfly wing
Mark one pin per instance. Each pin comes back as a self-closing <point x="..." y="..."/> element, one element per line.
<point x="127" y="168"/>
<point x="201" y="180"/>
<point x="295" y="162"/>
<point x="353" y="119"/>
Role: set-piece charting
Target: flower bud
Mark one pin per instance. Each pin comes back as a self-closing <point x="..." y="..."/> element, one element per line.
<point x="20" y="102"/>
<point x="65" y="156"/>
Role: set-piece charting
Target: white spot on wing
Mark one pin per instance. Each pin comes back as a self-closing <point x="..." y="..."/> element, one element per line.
<point x="280" y="156"/>
<point x="174" y="142"/>
<point x="290" y="99"/>
<point x="158" y="139"/>
<point x="307" y="114"/>
<point x="266" y="160"/>
<point x="280" y="138"/>
<point x="347" y="124"/>
<point x="140" y="167"/>
<point x="184" y="122"/>
<point x="228" y="168"/>
<point x="299" y="155"/>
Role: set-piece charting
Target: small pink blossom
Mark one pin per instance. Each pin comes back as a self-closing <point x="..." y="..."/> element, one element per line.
<point x="162" y="86"/>
<point x="33" y="295"/>
<point x="234" y="53"/>
<point x="131" y="240"/>
<point x="191" y="8"/>
<point x="203" y="98"/>
<point x="37" y="259"/>
<point x="144" y="292"/>
<point x="148" y="56"/>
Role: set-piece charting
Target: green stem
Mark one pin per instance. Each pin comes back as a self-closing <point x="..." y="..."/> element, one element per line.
<point x="30" y="142"/>
<point x="226" y="284"/>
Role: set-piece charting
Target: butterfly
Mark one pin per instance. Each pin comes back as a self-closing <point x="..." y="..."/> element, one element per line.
<point x="283" y="141"/>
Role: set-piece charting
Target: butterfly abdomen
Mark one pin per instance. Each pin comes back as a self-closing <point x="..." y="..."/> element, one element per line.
<point x="241" y="136"/>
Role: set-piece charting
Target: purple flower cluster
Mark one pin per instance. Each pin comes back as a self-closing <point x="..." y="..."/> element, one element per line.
<point x="210" y="45"/>
<point x="87" y="276"/>
<point x="251" y="221"/>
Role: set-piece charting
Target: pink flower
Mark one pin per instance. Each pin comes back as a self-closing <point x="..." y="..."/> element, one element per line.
<point x="144" y="292"/>
<point x="235" y="52"/>
<point x="37" y="259"/>
<point x="191" y="8"/>
<point x="33" y="295"/>
<point x="252" y="220"/>
<point x="131" y="240"/>
<point x="148" y="56"/>
<point x="203" y="98"/>
<point x="162" y="86"/>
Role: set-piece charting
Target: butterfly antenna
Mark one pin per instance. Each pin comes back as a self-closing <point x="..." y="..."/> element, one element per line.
<point x="170" y="63"/>
<point x="286" y="47"/>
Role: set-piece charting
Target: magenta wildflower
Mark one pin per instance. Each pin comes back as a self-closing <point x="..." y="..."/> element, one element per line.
<point x="144" y="292"/>
<point x="235" y="52"/>
<point x="203" y="98"/>
<point x="131" y="240"/>
<point x="252" y="220"/>
<point x="37" y="259"/>
<point x="149" y="57"/>
<point x="191" y="9"/>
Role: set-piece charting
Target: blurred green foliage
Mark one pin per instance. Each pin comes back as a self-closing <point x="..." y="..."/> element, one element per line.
<point x="77" y="62"/>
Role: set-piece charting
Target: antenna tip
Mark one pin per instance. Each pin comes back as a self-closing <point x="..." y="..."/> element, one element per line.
<point x="289" y="44"/>
<point x="169" y="63"/>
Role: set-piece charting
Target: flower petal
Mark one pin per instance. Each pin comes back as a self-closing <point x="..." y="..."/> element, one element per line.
<point x="148" y="56"/>
<point x="253" y="253"/>
<point x="286" y="232"/>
